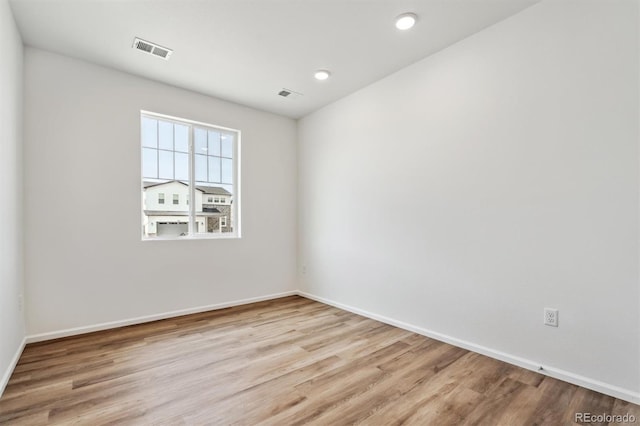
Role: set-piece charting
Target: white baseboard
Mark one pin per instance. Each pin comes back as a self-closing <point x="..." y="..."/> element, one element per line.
<point x="12" y="365"/>
<point x="148" y="318"/>
<point x="576" y="379"/>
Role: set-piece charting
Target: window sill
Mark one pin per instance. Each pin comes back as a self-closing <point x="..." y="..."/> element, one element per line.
<point x="227" y="236"/>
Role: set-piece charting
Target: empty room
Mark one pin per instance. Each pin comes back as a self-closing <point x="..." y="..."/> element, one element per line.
<point x="324" y="212"/>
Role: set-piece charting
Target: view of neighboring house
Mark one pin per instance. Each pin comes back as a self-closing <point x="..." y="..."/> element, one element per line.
<point x="166" y="209"/>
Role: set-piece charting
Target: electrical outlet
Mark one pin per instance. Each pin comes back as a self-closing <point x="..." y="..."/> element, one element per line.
<point x="551" y="317"/>
<point x="304" y="269"/>
<point x="20" y="302"/>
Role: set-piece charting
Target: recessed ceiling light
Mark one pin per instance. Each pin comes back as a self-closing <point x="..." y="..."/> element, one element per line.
<point x="406" y="21"/>
<point x="322" y="74"/>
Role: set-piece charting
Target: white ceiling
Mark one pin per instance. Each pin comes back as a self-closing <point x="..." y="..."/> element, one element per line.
<point x="246" y="51"/>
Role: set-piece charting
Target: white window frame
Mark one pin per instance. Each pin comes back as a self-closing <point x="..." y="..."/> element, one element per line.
<point x="236" y="211"/>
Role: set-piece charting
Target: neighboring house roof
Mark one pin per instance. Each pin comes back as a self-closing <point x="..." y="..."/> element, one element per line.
<point x="147" y="184"/>
<point x="213" y="190"/>
<point x="215" y="213"/>
<point x="164" y="213"/>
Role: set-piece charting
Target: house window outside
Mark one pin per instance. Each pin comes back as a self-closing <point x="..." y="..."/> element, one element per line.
<point x="193" y="160"/>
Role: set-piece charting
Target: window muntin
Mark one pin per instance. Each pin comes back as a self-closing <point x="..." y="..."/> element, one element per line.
<point x="202" y="173"/>
<point x="165" y="150"/>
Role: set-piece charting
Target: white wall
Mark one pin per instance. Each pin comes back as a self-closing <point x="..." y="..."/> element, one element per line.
<point x="85" y="262"/>
<point x="511" y="158"/>
<point x="12" y="328"/>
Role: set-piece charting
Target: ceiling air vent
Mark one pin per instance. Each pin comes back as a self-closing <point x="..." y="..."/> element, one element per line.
<point x="152" y="48"/>
<point x="287" y="93"/>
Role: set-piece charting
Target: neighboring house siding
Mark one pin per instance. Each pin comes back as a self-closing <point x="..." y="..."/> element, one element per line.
<point x="213" y="222"/>
<point x="168" y="189"/>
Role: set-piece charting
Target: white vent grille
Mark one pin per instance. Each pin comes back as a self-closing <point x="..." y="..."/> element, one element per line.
<point x="152" y="48"/>
<point x="289" y="94"/>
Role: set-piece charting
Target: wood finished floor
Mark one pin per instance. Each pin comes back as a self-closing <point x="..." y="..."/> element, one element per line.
<point x="289" y="361"/>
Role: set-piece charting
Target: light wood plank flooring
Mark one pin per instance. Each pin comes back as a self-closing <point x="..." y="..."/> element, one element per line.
<point x="289" y="361"/>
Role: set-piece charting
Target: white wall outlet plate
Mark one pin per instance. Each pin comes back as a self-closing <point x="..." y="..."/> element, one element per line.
<point x="551" y="317"/>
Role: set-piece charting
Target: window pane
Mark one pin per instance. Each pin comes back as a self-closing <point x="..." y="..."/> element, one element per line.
<point x="149" y="163"/>
<point x="170" y="148"/>
<point x="227" y="145"/>
<point x="166" y="135"/>
<point x="214" y="143"/>
<point x="200" y="168"/>
<point x="149" y="132"/>
<point x="214" y="169"/>
<point x="200" y="141"/>
<point x="182" y="166"/>
<point x="181" y="138"/>
<point x="227" y="170"/>
<point x="166" y="165"/>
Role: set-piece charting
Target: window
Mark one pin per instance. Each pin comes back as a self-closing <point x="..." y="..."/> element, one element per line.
<point x="192" y="161"/>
